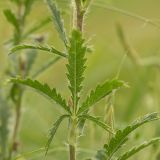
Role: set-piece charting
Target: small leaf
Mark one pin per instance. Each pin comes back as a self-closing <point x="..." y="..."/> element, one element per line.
<point x="100" y="92"/>
<point x="44" y="89"/>
<point x="121" y="135"/>
<point x="76" y="65"/>
<point x="39" y="47"/>
<point x="137" y="149"/>
<point x="53" y="130"/>
<point x="11" y="18"/>
<point x="58" y="20"/>
<point x="28" y="4"/>
<point x="97" y="121"/>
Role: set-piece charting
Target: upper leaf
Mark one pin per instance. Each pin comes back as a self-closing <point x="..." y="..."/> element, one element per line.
<point x="11" y="18"/>
<point x="76" y="64"/>
<point x="53" y="130"/>
<point x="58" y="20"/>
<point x="100" y="92"/>
<point x="121" y="135"/>
<point x="136" y="149"/>
<point x="39" y="47"/>
<point x="45" y="90"/>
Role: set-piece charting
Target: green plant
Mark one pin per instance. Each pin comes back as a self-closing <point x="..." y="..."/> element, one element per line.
<point x="75" y="50"/>
<point x="121" y="137"/>
<point x="18" y="65"/>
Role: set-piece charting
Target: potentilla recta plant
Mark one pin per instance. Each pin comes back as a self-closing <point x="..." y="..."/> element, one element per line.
<point x="76" y="113"/>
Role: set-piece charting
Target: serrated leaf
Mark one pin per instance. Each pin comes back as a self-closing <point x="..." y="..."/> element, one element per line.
<point x="53" y="130"/>
<point x="137" y="149"/>
<point x="97" y="121"/>
<point x="100" y="92"/>
<point x="39" y="47"/>
<point x="44" y="89"/>
<point x="76" y="65"/>
<point x="11" y="18"/>
<point x="58" y="20"/>
<point x="121" y="136"/>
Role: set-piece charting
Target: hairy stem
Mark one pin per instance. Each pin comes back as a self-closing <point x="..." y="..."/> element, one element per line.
<point x="72" y="152"/>
<point x="79" y="14"/>
<point x="72" y="139"/>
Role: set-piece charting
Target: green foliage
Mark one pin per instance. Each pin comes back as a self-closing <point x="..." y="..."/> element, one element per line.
<point x="44" y="89"/>
<point x="100" y="92"/>
<point x="121" y="136"/>
<point x="56" y="15"/>
<point x="53" y="130"/>
<point x="97" y="121"/>
<point x="51" y="50"/>
<point x="28" y="4"/>
<point x="76" y="65"/>
<point x="12" y="19"/>
<point x="137" y="149"/>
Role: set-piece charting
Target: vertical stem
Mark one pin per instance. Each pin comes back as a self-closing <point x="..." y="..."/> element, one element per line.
<point x="18" y="104"/>
<point x="72" y="139"/>
<point x="79" y="15"/>
<point x="16" y="128"/>
<point x="78" y="18"/>
<point x="72" y="152"/>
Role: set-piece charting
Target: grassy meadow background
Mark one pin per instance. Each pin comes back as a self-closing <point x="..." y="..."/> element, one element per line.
<point x="142" y="97"/>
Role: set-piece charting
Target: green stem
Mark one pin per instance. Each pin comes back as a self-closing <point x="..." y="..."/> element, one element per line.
<point x="72" y="139"/>
<point x="72" y="152"/>
<point x="14" y="143"/>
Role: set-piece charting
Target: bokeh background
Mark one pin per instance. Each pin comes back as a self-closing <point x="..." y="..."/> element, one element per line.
<point x="143" y="95"/>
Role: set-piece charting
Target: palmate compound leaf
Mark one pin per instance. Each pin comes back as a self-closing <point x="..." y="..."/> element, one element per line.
<point x="51" y="50"/>
<point x="97" y="121"/>
<point x="121" y="136"/>
<point x="137" y="149"/>
<point x="58" y="21"/>
<point x="44" y="89"/>
<point x="100" y="92"/>
<point x="53" y="130"/>
<point x="76" y="64"/>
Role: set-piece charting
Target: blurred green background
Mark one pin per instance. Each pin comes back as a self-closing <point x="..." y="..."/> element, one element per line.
<point x="142" y="97"/>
